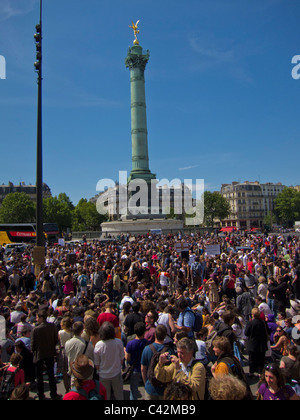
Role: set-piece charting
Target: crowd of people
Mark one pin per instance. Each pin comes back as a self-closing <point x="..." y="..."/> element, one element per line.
<point x="174" y="326"/>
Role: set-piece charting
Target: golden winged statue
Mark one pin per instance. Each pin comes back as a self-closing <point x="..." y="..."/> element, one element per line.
<point x="136" y="32"/>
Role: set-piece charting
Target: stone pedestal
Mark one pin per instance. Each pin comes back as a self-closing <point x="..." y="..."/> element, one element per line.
<point x="140" y="226"/>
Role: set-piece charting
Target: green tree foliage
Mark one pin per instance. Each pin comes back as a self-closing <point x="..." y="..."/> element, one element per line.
<point x="215" y="207"/>
<point x="287" y="206"/>
<point x="58" y="210"/>
<point x="17" y="208"/>
<point x="85" y="217"/>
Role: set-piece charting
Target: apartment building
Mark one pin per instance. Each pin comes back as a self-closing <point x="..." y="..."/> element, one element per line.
<point x="250" y="202"/>
<point x="30" y="190"/>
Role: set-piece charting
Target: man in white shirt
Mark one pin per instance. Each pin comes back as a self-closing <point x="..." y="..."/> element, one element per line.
<point x="17" y="314"/>
<point x="77" y="346"/>
<point x="263" y="306"/>
<point x="126" y="298"/>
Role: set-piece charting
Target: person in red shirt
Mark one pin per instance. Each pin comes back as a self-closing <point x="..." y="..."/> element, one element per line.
<point x="229" y="285"/>
<point x="109" y="316"/>
<point x="82" y="369"/>
<point x="13" y="376"/>
<point x="250" y="265"/>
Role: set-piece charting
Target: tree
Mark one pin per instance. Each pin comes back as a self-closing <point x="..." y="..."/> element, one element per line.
<point x="287" y="206"/>
<point x="17" y="208"/>
<point x="85" y="216"/>
<point x="58" y="210"/>
<point x="215" y="207"/>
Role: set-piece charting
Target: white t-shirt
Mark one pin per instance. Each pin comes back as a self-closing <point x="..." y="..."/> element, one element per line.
<point x="109" y="356"/>
<point x="163" y="319"/>
<point x="264" y="307"/>
<point x="164" y="279"/>
<point x="201" y="353"/>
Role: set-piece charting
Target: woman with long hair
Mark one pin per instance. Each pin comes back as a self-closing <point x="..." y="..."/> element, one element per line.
<point x="272" y="385"/>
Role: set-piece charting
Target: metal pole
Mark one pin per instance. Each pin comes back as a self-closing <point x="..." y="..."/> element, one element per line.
<point x="39" y="250"/>
<point x="39" y="167"/>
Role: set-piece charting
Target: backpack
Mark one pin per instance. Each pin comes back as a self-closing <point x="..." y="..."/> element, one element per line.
<point x="198" y="322"/>
<point x="7" y="384"/>
<point x="83" y="280"/>
<point x="236" y="370"/>
<point x="209" y="342"/>
<point x="93" y="395"/>
<point x="153" y="362"/>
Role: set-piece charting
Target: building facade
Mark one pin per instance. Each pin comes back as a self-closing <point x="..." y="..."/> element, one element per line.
<point x="30" y="190"/>
<point x="168" y="200"/>
<point x="250" y="202"/>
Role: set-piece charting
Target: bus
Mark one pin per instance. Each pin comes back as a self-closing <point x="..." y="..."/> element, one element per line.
<point x="26" y="233"/>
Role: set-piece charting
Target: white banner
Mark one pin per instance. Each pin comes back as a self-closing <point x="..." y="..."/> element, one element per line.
<point x="213" y="250"/>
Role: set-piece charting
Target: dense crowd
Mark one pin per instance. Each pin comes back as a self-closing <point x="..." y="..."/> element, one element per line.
<point x="177" y="326"/>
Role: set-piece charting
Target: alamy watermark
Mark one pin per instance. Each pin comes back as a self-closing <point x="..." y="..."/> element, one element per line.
<point x="139" y="198"/>
<point x="2" y="67"/>
<point x="296" y="69"/>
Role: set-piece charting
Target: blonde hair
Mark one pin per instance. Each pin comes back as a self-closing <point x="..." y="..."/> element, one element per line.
<point x="256" y="313"/>
<point x="223" y="344"/>
<point x="227" y="387"/>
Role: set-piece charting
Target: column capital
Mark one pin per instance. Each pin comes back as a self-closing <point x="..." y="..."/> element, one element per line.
<point x="137" y="58"/>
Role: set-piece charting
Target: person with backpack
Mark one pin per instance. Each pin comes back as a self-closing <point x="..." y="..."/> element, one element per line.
<point x="154" y="390"/>
<point x="82" y="282"/>
<point x="186" y="319"/>
<point x="12" y="377"/>
<point x="227" y="363"/>
<point x="183" y="368"/>
<point x="85" y="388"/>
<point x="224" y="328"/>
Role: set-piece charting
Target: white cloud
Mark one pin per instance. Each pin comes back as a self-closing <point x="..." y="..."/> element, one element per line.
<point x="12" y="8"/>
<point x="186" y="168"/>
<point x="212" y="53"/>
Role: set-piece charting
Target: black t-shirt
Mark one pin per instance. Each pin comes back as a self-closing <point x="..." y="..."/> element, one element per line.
<point x="131" y="320"/>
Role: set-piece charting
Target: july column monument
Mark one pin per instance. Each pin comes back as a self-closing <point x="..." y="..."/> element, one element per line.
<point x="136" y="61"/>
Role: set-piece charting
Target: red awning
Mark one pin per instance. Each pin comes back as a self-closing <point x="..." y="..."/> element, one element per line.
<point x="228" y="229"/>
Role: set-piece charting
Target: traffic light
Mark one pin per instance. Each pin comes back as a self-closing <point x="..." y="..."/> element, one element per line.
<point x="38" y="40"/>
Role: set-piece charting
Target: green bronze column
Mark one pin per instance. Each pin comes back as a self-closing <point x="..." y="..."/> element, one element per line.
<point x="136" y="61"/>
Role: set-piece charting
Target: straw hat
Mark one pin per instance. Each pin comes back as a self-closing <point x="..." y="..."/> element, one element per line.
<point x="82" y="368"/>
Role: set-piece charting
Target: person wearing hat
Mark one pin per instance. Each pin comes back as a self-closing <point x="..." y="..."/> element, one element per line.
<point x="82" y="369"/>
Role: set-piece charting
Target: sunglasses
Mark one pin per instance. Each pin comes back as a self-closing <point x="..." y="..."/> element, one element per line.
<point x="270" y="367"/>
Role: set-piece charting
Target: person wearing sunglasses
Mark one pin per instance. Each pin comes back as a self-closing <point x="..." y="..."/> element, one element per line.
<point x="272" y="386"/>
<point x="281" y="341"/>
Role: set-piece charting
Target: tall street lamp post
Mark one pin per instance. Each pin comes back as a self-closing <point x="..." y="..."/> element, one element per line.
<point x="39" y="252"/>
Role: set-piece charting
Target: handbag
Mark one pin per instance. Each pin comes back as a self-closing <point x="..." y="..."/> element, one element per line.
<point x="128" y="371"/>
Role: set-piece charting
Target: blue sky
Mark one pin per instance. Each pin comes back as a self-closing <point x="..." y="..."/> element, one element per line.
<point x="221" y="101"/>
